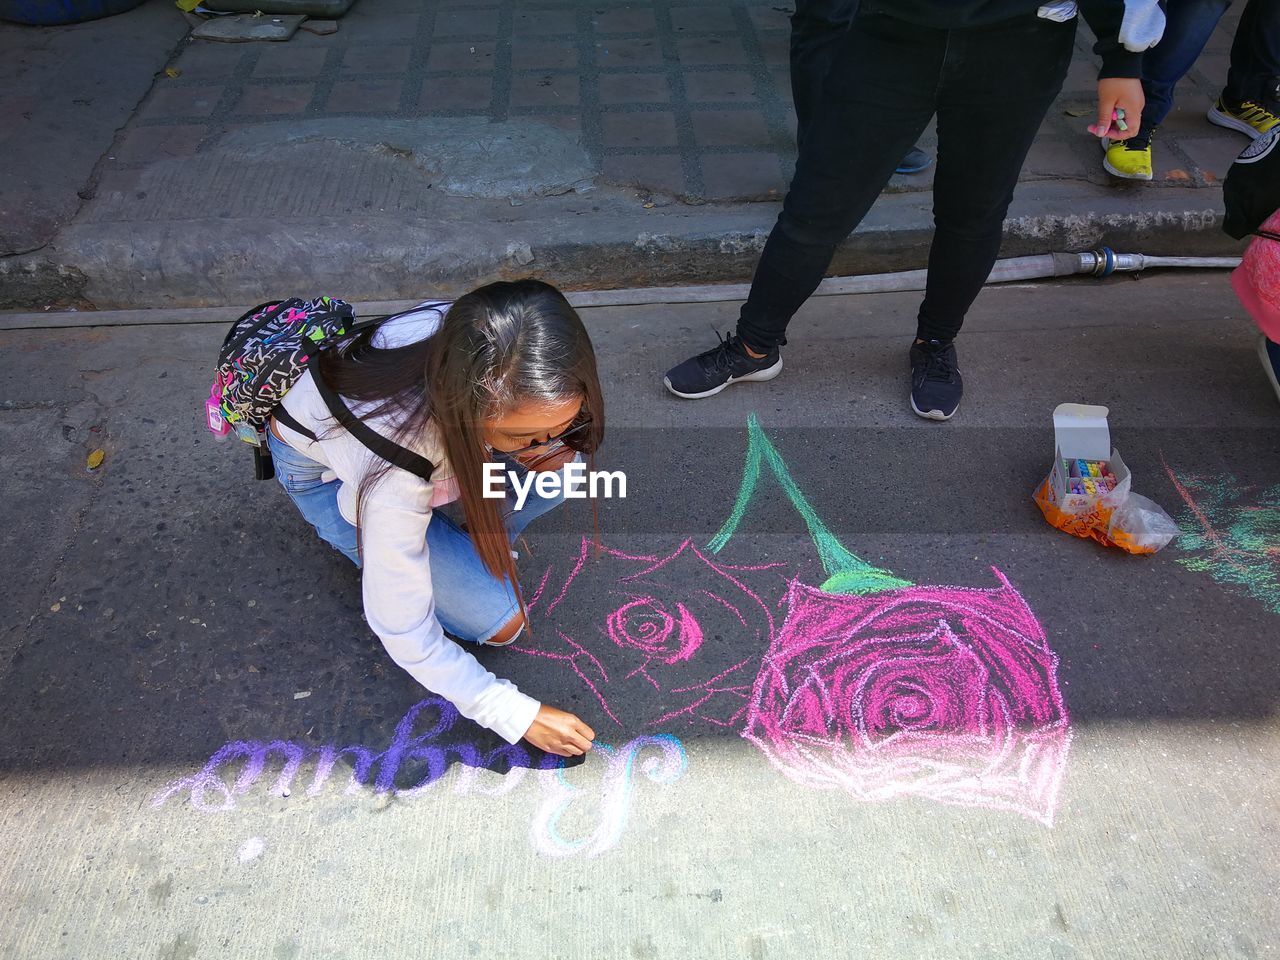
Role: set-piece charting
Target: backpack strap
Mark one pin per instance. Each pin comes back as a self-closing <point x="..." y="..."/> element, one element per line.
<point x="388" y="450"/>
<point x="288" y="419"/>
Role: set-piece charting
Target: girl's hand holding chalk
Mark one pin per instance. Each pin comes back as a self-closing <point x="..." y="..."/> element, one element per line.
<point x="1120" y="102"/>
<point x="558" y="732"/>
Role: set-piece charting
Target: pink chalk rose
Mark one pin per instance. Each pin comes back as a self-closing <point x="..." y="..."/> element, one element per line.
<point x="948" y="693"/>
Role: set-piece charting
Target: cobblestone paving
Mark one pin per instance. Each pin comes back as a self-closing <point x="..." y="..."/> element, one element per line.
<point x="690" y="100"/>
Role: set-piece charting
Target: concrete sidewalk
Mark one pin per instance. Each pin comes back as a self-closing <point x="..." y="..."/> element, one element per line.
<point x="181" y="663"/>
<point x="431" y="144"/>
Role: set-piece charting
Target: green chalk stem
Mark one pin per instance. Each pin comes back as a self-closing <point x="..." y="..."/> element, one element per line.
<point x="846" y="573"/>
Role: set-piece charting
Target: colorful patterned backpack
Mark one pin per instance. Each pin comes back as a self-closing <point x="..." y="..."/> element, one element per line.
<point x="264" y="353"/>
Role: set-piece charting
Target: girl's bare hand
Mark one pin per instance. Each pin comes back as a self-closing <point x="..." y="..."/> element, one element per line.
<point x="558" y="732"/>
<point x="1116" y="94"/>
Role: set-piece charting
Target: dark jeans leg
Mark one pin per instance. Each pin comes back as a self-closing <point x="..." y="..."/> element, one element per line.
<point x="997" y="84"/>
<point x="877" y="99"/>
<point x="816" y="29"/>
<point x="1255" y="53"/>
<point x="1188" y="26"/>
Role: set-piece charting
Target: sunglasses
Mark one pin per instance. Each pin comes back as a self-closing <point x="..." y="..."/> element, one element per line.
<point x="547" y="449"/>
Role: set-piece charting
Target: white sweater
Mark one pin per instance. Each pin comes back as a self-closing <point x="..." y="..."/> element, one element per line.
<point x="396" y="568"/>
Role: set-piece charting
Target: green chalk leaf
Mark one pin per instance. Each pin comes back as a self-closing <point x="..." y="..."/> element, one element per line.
<point x="869" y="580"/>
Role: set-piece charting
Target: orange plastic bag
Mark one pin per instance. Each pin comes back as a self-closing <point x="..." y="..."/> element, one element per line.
<point x="1126" y="520"/>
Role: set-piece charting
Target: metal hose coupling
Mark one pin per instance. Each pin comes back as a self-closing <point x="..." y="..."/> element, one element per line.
<point x="1103" y="261"/>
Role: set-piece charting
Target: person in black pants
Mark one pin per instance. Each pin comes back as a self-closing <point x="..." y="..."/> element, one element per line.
<point x="1250" y="102"/>
<point x="989" y="69"/>
<point x="816" y="29"/>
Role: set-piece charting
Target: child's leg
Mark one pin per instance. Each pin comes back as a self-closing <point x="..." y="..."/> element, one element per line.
<point x="877" y="99"/>
<point x="997" y="84"/>
<point x="534" y="505"/>
<point x="1188" y="26"/>
<point x="315" y="499"/>
<point x="470" y="602"/>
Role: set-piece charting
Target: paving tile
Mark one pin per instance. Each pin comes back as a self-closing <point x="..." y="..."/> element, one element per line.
<point x="141" y="144"/>
<point x="772" y="17"/>
<point x="476" y="23"/>
<point x="710" y="51"/>
<point x="1059" y="158"/>
<point x="372" y="28"/>
<point x="634" y="88"/>
<point x="467" y="92"/>
<point x="365" y="96"/>
<point x="534" y="22"/>
<point x="209" y="61"/>
<point x="730" y="128"/>
<point x="781" y="83"/>
<point x="623" y="130"/>
<point x="287" y="61"/>
<point x="662" y="174"/>
<point x="645" y="52"/>
<point x="561" y="121"/>
<point x="260" y="101"/>
<point x="730" y="86"/>
<point x="703" y="19"/>
<point x="552" y="90"/>
<point x="1187" y="118"/>
<point x="1213" y="67"/>
<point x="776" y="48"/>
<point x="177" y="102"/>
<point x="380" y="59"/>
<point x="728" y="61"/>
<point x="305" y="40"/>
<point x="624" y="21"/>
<point x="752" y="175"/>
<point x="461" y="56"/>
<point x="1214" y="155"/>
<point x="1082" y="75"/>
<point x="543" y="54"/>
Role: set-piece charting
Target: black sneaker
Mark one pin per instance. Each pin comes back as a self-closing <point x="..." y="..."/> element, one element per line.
<point x="936" y="386"/>
<point x="708" y="373"/>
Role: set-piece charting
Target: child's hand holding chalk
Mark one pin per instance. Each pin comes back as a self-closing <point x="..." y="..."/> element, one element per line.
<point x="1120" y="102"/>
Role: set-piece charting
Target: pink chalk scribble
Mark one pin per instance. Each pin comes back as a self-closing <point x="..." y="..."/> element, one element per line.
<point x="947" y="693"/>
<point x="665" y="654"/>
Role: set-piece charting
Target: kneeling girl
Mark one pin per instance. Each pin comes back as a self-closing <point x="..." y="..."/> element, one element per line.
<point x="505" y="373"/>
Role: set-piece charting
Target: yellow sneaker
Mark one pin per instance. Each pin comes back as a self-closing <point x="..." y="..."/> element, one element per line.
<point x="1247" y="116"/>
<point x="1130" y="159"/>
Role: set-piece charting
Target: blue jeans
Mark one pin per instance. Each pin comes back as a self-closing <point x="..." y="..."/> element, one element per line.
<point x="1188" y="26"/>
<point x="471" y="604"/>
<point x="1255" y="53"/>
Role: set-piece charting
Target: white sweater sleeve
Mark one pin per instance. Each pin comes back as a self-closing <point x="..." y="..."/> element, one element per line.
<point x="399" y="606"/>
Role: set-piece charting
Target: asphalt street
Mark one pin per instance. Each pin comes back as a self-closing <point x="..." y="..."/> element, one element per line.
<point x="1012" y="743"/>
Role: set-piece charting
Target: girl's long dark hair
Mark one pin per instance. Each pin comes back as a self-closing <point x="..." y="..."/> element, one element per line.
<point x="506" y="344"/>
